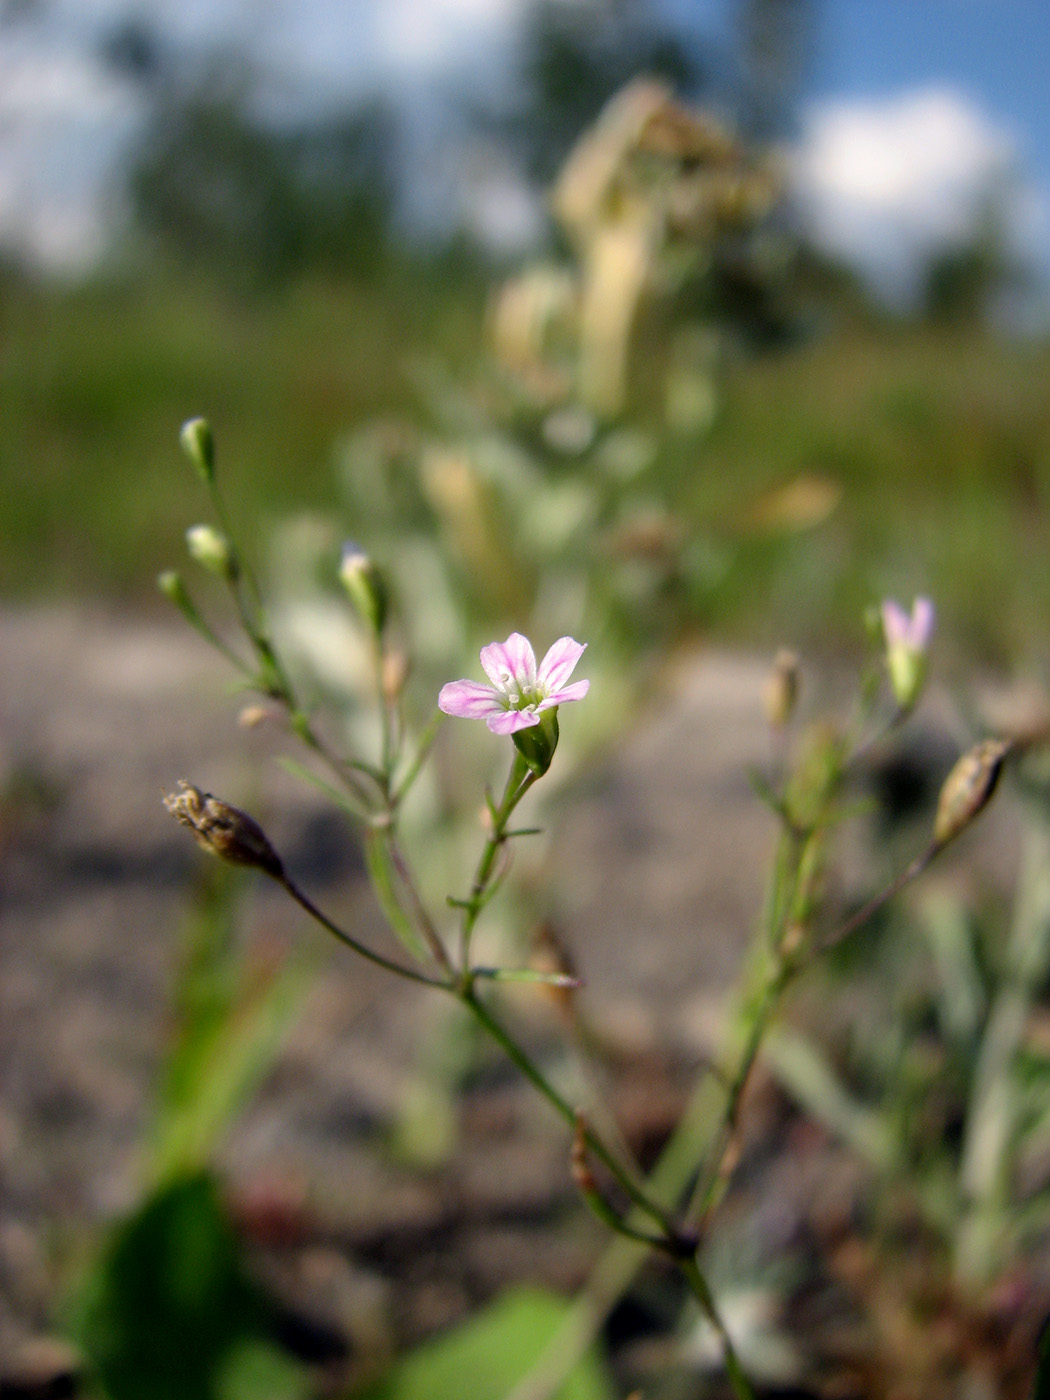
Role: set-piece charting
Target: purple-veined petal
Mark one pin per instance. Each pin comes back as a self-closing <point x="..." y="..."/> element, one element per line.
<point x="510" y="721"/>
<point x="560" y="662"/>
<point x="576" y="691"/>
<point x="510" y="665"/>
<point x="469" y="700"/>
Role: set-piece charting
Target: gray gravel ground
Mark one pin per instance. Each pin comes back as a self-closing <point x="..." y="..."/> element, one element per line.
<point x="98" y="714"/>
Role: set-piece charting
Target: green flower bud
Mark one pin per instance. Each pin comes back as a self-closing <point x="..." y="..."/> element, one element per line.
<point x="537" y="743"/>
<point x="212" y="550"/>
<point x="199" y="446"/>
<point x="364" y="586"/>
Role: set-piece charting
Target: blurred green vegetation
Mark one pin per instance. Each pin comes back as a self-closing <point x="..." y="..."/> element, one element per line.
<point x="937" y="437"/>
<point x="95" y="381"/>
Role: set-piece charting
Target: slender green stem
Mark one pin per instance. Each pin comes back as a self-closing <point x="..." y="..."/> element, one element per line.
<point x="519" y="780"/>
<point x="690" y="1271"/>
<point x="426" y="740"/>
<point x="869" y="910"/>
<point x="417" y="909"/>
<point x="351" y="942"/>
<point x="386" y="717"/>
<point x="538" y="1080"/>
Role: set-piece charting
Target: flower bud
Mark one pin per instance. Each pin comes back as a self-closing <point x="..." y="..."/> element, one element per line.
<point x="364" y="586"/>
<point x="212" y="550"/>
<point x="171" y="585"/>
<point x="253" y="715"/>
<point x="199" y="446"/>
<point x="222" y="830"/>
<point x="907" y="640"/>
<point x="781" y="689"/>
<point x="968" y="788"/>
<point x="393" y="675"/>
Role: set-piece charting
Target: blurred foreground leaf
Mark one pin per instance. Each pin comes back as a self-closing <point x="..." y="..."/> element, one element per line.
<point x="486" y="1357"/>
<point x="231" y="1015"/>
<point x="168" y="1312"/>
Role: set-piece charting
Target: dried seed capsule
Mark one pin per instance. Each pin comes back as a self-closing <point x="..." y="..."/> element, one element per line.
<point x="968" y="788"/>
<point x="780" y="690"/>
<point x="222" y="830"/>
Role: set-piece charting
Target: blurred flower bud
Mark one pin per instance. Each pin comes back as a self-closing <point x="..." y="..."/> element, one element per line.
<point x="171" y="585"/>
<point x="781" y="688"/>
<point x="212" y="550"/>
<point x="968" y="788"/>
<point x="222" y="830"/>
<point x="199" y="446"/>
<point x="394" y="673"/>
<point x="253" y="715"/>
<point x="364" y="586"/>
<point x="907" y="645"/>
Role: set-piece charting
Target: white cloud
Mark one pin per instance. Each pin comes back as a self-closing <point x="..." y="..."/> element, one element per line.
<point x="433" y="34"/>
<point x="62" y="119"/>
<point x="883" y="183"/>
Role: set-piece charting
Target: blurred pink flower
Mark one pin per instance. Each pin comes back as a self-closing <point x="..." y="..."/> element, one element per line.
<point x="901" y="630"/>
<point x="907" y="640"/>
<point x="520" y="691"/>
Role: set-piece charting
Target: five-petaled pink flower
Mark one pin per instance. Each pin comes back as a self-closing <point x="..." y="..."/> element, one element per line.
<point x="520" y="691"/>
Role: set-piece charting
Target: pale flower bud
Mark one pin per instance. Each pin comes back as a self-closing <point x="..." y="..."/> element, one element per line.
<point x="199" y="446"/>
<point x="393" y="675"/>
<point x="780" y="690"/>
<point x="253" y="715"/>
<point x="968" y="788"/>
<point x="212" y="550"/>
<point x="907" y="640"/>
<point x="223" y="830"/>
<point x="364" y="586"/>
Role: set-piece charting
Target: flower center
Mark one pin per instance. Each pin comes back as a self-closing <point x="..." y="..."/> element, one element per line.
<point x="518" y="696"/>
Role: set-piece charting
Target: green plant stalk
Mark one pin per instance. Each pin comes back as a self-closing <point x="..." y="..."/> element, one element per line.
<point x="370" y="954"/>
<point x="989" y="1140"/>
<point x="702" y="1121"/>
<point x="690" y="1271"/>
<point x="519" y="781"/>
<point x="415" y="767"/>
<point x="528" y="1067"/>
<point x="388" y="749"/>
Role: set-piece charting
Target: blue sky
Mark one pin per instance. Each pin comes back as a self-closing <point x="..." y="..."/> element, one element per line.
<point x="996" y="51"/>
<point x="911" y="106"/>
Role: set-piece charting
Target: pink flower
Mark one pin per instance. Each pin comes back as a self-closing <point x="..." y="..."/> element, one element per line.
<point x="907" y="644"/>
<point x="520" y="692"/>
<point x="914" y="632"/>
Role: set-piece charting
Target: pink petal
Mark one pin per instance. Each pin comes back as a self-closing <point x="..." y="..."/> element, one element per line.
<point x="922" y="621"/>
<point x="576" y="691"/>
<point x="510" y="665"/>
<point x="560" y="662"/>
<point x="896" y="624"/>
<point x="469" y="700"/>
<point x="510" y="721"/>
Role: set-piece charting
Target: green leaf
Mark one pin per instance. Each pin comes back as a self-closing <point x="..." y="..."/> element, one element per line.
<point x="487" y="1356"/>
<point x="169" y="1313"/>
